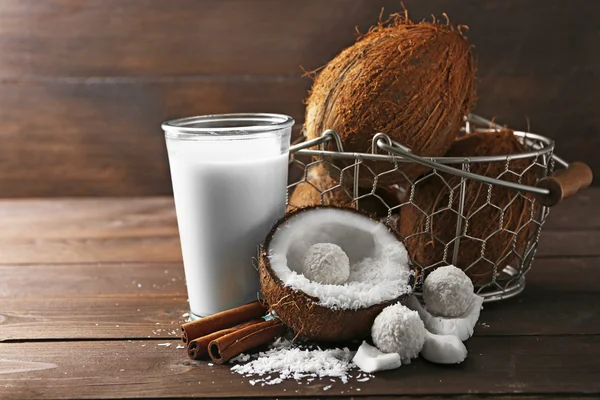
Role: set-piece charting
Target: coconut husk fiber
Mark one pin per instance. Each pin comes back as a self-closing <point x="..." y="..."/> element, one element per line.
<point x="324" y="186"/>
<point x="505" y="236"/>
<point x="307" y="319"/>
<point x="302" y="313"/>
<point x="413" y="81"/>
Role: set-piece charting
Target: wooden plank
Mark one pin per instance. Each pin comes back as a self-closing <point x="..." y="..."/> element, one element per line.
<point x="559" y="275"/>
<point x="182" y="59"/>
<point x="538" y="311"/>
<point x="87" y="218"/>
<point x="104" y="137"/>
<point x="151" y="216"/>
<point x="161" y="249"/>
<point x="151" y="37"/>
<point x="102" y="301"/>
<point x="109" y="130"/>
<point x="515" y="101"/>
<point x="166" y="248"/>
<point x="565" y="275"/>
<point x="82" y="318"/>
<point x="99" y="279"/>
<point x="145" y="230"/>
<point x="577" y="213"/>
<point x="569" y="243"/>
<point x="125" y="369"/>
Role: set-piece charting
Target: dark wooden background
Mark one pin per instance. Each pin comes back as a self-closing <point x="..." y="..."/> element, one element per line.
<point x="85" y="84"/>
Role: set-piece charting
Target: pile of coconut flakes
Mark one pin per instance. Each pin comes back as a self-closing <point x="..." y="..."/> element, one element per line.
<point x="286" y="360"/>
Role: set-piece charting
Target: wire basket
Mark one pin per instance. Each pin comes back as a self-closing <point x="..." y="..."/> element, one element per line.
<point x="505" y="274"/>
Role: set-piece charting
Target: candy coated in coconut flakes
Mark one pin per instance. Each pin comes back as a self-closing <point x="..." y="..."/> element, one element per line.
<point x="447" y="291"/>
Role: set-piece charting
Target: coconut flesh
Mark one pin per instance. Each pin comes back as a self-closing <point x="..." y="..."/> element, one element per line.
<point x="462" y="326"/>
<point x="380" y="273"/>
<point x="409" y="330"/>
<point x="398" y="329"/>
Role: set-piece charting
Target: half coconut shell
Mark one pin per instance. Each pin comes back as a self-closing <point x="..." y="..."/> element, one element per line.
<point x="302" y="313"/>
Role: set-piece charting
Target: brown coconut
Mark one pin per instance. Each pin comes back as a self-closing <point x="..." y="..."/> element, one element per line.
<point x="302" y="313"/>
<point x="484" y="220"/>
<point x="323" y="186"/>
<point x="413" y="81"/>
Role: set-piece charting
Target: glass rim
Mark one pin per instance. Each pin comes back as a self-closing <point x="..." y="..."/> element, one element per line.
<point x="253" y="124"/>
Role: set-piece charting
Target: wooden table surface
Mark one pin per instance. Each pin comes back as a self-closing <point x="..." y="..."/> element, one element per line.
<point x="92" y="294"/>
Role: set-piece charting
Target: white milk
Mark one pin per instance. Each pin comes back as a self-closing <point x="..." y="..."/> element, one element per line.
<point x="228" y="194"/>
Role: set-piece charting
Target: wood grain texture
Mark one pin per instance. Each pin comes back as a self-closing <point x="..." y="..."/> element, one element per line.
<point x="166" y="248"/>
<point x="181" y="37"/>
<point x="104" y="138"/>
<point x="269" y="37"/>
<point x="546" y="342"/>
<point x="577" y="213"/>
<point x="151" y="216"/>
<point x="575" y="243"/>
<point x="69" y="281"/>
<point x="85" y="85"/>
<point x="137" y="301"/>
<point x="82" y="318"/>
<point x="125" y="369"/>
<point x="88" y="218"/>
<point x="145" y="230"/>
<point x="535" y="312"/>
<point x="560" y="275"/>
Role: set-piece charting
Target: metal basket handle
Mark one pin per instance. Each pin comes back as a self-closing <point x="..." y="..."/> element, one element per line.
<point x="565" y="183"/>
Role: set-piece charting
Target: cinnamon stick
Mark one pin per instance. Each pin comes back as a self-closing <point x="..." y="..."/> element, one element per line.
<point x="228" y="346"/>
<point x="225" y="319"/>
<point x="198" y="348"/>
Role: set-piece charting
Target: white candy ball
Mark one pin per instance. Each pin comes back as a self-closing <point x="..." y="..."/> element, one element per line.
<point x="398" y="329"/>
<point x="326" y="263"/>
<point x="447" y="291"/>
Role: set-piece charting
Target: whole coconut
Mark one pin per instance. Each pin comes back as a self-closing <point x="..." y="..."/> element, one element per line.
<point x="323" y="186"/>
<point x="320" y="185"/>
<point x="412" y="81"/>
<point x="505" y="234"/>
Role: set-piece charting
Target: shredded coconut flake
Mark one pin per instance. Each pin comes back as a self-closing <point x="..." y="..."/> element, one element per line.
<point x="241" y="358"/>
<point x="286" y="360"/>
<point x="447" y="292"/>
<point x="398" y="329"/>
<point x="372" y="281"/>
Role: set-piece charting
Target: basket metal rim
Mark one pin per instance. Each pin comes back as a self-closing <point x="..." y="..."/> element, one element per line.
<point x="397" y="152"/>
<point x="302" y="149"/>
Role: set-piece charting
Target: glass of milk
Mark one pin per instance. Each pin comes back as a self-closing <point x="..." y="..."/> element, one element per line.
<point x="229" y="175"/>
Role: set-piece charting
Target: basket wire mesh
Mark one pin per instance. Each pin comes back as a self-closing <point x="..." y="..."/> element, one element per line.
<point x="507" y="274"/>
